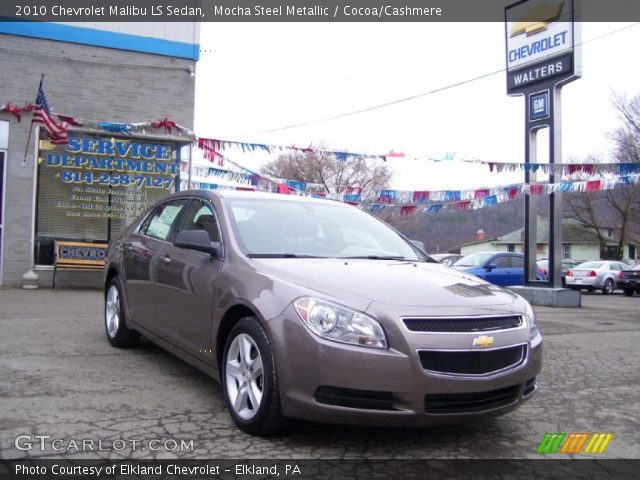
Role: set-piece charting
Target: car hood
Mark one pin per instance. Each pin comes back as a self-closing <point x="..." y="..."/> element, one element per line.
<point x="386" y="281"/>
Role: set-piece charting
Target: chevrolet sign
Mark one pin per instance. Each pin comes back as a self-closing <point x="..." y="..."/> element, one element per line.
<point x="537" y="30"/>
<point x="540" y="37"/>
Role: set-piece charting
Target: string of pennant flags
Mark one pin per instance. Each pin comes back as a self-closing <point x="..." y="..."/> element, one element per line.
<point x="611" y="175"/>
<point x="403" y="202"/>
<point x="564" y="169"/>
<point x="212" y="150"/>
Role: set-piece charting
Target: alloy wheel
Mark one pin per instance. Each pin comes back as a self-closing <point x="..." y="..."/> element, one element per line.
<point x="244" y="376"/>
<point x="608" y="286"/>
<point x="112" y="312"/>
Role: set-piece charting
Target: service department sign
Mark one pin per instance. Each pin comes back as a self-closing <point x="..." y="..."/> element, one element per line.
<point x="541" y="38"/>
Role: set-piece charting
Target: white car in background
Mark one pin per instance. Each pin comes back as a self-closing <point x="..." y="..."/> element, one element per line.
<point x="597" y="275"/>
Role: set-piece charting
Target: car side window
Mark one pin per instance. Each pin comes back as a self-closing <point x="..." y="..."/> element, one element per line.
<point x="160" y="222"/>
<point x="501" y="262"/>
<point x="201" y="216"/>
<point x="517" y="261"/>
<point x="615" y="267"/>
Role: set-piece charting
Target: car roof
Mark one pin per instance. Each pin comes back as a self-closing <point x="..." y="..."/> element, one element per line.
<point x="496" y="252"/>
<point x="256" y="196"/>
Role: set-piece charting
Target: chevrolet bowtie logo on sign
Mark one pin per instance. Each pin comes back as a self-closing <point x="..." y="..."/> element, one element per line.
<point x="540" y="36"/>
<point x="483" y="341"/>
<point x="574" y="442"/>
<point x="546" y="13"/>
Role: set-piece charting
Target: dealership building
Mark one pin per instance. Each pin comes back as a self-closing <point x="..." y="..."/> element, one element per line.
<point x="124" y="92"/>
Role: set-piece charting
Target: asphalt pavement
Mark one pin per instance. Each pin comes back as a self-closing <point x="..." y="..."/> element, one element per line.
<point x="65" y="393"/>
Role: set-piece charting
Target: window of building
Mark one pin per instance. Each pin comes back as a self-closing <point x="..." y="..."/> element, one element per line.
<point x="632" y="252"/>
<point x="95" y="185"/>
<point x="511" y="247"/>
<point x="566" y="251"/>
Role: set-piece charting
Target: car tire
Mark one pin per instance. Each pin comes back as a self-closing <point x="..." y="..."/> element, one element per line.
<point x="250" y="379"/>
<point x="608" y="287"/>
<point x="118" y="334"/>
<point x="628" y="292"/>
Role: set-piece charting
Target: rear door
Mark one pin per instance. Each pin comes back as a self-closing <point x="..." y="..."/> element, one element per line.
<point x="500" y="274"/>
<point x="187" y="285"/>
<point x="516" y="272"/>
<point x="140" y="252"/>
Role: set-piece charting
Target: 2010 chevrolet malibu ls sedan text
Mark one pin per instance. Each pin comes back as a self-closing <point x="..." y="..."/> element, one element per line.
<point x="310" y="308"/>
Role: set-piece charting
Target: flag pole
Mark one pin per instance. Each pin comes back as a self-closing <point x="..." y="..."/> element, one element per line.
<point x="26" y="148"/>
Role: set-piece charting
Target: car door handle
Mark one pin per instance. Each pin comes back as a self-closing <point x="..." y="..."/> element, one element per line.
<point x="165" y="259"/>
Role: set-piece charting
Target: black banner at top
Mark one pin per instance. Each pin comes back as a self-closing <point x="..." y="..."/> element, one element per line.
<point x="290" y="10"/>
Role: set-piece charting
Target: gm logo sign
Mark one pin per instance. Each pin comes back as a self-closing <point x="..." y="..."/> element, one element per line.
<point x="539" y="106"/>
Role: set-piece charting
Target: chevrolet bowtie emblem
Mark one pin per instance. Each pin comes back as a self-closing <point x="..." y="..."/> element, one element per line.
<point x="544" y="14"/>
<point x="483" y="341"/>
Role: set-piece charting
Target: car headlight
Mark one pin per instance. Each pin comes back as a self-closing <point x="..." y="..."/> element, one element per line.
<point x="334" y="322"/>
<point x="531" y="316"/>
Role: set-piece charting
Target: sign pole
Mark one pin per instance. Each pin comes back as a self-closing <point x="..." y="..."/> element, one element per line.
<point x="541" y="40"/>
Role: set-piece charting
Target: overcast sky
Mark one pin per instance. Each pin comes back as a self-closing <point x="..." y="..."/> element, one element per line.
<point x="257" y="77"/>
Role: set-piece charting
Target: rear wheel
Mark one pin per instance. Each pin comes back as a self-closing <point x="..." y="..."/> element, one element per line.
<point x="628" y="291"/>
<point x="608" y="286"/>
<point x="250" y="380"/>
<point x="114" y="322"/>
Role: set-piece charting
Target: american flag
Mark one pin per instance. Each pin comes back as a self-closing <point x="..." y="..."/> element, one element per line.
<point x="57" y="131"/>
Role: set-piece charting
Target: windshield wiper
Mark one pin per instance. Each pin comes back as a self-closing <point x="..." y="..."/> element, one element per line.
<point x="378" y="257"/>
<point x="280" y="255"/>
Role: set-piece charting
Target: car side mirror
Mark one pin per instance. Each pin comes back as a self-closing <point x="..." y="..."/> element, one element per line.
<point x="490" y="267"/>
<point x="197" y="240"/>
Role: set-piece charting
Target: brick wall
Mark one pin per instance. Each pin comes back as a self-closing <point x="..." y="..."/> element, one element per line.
<point x="93" y="83"/>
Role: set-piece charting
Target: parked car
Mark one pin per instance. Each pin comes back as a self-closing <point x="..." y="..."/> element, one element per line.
<point x="447" y="258"/>
<point x="629" y="280"/>
<point x="499" y="268"/>
<point x="566" y="264"/>
<point x="310" y="308"/>
<point x="596" y="275"/>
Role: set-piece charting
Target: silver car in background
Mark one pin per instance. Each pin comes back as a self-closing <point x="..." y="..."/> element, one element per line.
<point x="597" y="275"/>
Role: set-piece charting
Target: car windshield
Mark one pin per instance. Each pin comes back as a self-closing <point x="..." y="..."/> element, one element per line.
<point x="290" y="229"/>
<point x="473" y="260"/>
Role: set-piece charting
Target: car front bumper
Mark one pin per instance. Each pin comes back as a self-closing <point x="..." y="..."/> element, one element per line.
<point x="331" y="382"/>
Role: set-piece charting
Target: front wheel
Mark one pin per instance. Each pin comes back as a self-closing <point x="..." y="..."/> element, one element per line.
<point x="114" y="323"/>
<point x="250" y="380"/>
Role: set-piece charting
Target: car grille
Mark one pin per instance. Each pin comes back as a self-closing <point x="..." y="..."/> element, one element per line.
<point x="478" y="362"/>
<point x="463" y="324"/>
<point x="447" y="403"/>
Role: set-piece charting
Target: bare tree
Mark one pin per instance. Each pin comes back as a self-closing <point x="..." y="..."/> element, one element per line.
<point x="620" y="208"/>
<point x="335" y="175"/>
